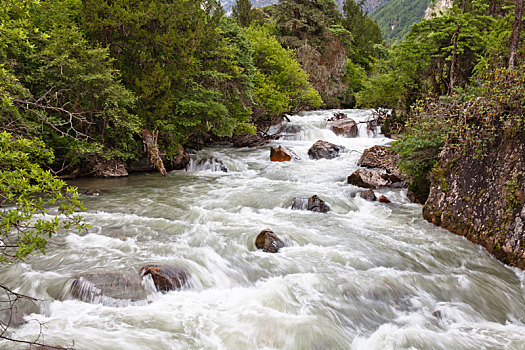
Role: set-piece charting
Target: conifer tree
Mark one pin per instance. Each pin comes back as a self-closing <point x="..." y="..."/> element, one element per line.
<point x="242" y="12"/>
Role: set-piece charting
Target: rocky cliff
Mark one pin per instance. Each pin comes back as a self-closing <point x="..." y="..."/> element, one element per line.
<point x="483" y="198"/>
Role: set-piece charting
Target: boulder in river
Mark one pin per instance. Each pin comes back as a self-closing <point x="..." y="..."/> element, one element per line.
<point x="313" y="203"/>
<point x="381" y="157"/>
<point x="374" y="179"/>
<point x="282" y="154"/>
<point x="108" y="288"/>
<point x="166" y="278"/>
<point x="383" y="199"/>
<point x="369" y="195"/>
<point x="268" y="241"/>
<point x="346" y="127"/>
<point x="178" y="162"/>
<point x="324" y="149"/>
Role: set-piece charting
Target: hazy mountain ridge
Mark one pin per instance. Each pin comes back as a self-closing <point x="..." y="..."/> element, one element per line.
<point x="371" y="5"/>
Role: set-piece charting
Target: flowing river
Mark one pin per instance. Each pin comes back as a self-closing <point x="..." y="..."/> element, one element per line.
<point x="366" y="275"/>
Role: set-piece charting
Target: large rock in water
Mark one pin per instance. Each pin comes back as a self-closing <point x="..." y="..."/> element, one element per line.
<point x="282" y="154"/>
<point x="166" y="278"/>
<point x="381" y="157"/>
<point x="268" y="241"/>
<point x="324" y="149"/>
<point x="313" y="203"/>
<point x="374" y="179"/>
<point x="483" y="198"/>
<point x="108" y="288"/>
<point x="344" y="127"/>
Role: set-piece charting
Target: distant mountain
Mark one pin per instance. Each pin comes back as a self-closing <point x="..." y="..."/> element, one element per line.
<point x="370" y="5"/>
<point x="394" y="17"/>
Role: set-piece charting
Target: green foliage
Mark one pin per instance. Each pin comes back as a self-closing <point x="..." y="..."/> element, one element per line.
<point x="242" y="12"/>
<point x="27" y="194"/>
<point x="281" y="83"/>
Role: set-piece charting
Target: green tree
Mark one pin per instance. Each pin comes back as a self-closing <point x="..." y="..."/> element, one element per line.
<point x="242" y="12"/>
<point x="27" y="194"/>
<point x="281" y="85"/>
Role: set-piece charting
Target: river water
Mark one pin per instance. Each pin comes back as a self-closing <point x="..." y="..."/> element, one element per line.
<point x="364" y="276"/>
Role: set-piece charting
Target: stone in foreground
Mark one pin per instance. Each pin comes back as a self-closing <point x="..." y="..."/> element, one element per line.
<point x="384" y="199"/>
<point x="324" y="150"/>
<point x="268" y="241"/>
<point x="166" y="278"/>
<point x="282" y="154"/>
<point x="107" y="288"/>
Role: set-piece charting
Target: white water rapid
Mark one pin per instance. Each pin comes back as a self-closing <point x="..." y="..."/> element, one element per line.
<point x="364" y="276"/>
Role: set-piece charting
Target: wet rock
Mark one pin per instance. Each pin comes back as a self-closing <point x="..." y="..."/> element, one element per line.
<point x="383" y="199"/>
<point x="369" y="195"/>
<point x="268" y="241"/>
<point x="248" y="140"/>
<point x="166" y="278"/>
<point x="344" y="127"/>
<point x="338" y="116"/>
<point x="282" y="154"/>
<point x="324" y="149"/>
<point x="313" y="203"/>
<point x="381" y="157"/>
<point x="374" y="179"/>
<point x="92" y="192"/>
<point x="106" y="288"/>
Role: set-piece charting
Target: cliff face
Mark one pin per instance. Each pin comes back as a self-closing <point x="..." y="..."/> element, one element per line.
<point x="483" y="199"/>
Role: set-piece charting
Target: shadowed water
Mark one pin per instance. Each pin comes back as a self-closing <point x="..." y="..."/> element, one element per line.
<point x="364" y="276"/>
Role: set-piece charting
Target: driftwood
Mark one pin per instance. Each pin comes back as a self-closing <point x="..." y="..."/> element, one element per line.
<point x="152" y="148"/>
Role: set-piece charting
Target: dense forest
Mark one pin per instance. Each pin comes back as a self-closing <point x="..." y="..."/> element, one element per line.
<point x="88" y="82"/>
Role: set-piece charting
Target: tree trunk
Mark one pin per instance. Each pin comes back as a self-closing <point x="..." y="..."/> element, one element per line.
<point x="515" y="36"/>
<point x="150" y="143"/>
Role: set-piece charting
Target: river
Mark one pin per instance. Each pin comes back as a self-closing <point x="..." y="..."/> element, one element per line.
<point x="366" y="275"/>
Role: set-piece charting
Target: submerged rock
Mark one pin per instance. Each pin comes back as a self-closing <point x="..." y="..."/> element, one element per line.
<point x="92" y="192"/>
<point x="369" y="195"/>
<point x="282" y="154"/>
<point x="374" y="179"/>
<point x="106" y="288"/>
<point x="381" y="157"/>
<point x="324" y="149"/>
<point x="268" y="241"/>
<point x="383" y="199"/>
<point x="166" y="278"/>
<point x="313" y="203"/>
<point x="344" y="127"/>
<point x="212" y="163"/>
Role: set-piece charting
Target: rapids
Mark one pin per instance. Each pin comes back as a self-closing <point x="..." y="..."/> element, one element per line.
<point x="364" y="276"/>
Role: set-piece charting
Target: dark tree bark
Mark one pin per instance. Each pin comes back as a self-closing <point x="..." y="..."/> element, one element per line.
<point x="515" y="36"/>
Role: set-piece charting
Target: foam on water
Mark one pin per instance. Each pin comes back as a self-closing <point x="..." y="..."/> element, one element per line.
<point x="364" y="276"/>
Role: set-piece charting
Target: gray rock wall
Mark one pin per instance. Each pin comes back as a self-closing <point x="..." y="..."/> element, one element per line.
<point x="483" y="198"/>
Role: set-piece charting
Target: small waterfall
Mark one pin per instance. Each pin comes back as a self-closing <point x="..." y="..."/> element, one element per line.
<point x="206" y="164"/>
